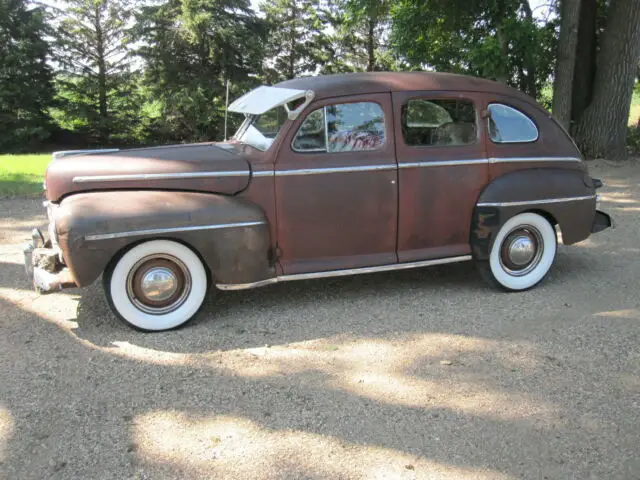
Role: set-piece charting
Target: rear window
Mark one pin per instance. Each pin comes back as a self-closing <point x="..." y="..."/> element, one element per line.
<point x="508" y="125"/>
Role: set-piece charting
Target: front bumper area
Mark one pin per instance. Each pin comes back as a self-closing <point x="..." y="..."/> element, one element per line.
<point x="43" y="266"/>
<point x="601" y="222"/>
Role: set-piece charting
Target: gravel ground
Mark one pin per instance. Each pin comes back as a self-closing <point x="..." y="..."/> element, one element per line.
<point x="416" y="374"/>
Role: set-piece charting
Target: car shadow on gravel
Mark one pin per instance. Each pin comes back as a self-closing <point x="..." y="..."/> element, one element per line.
<point x="300" y="311"/>
<point x="273" y="314"/>
<point x="13" y="275"/>
<point x="79" y="411"/>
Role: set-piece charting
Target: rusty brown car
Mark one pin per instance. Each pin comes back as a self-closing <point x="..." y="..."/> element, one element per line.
<point x="327" y="176"/>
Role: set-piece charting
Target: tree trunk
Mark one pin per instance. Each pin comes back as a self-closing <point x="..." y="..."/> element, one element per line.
<point x="371" y="45"/>
<point x="585" y="67"/>
<point x="566" y="60"/>
<point x="530" y="86"/>
<point x="293" y="45"/>
<point x="501" y="75"/>
<point x="103" y="129"/>
<point x="602" y="131"/>
<point x="498" y="16"/>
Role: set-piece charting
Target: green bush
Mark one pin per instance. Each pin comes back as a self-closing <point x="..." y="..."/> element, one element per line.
<point x="633" y="139"/>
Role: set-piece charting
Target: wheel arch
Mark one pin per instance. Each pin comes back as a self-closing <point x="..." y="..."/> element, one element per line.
<point x="230" y="235"/>
<point x="120" y="253"/>
<point x="566" y="198"/>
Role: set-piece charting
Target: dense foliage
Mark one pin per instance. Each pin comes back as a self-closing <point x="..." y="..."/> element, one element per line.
<point x="499" y="40"/>
<point x="189" y="49"/>
<point x="26" y="88"/>
<point x="116" y="72"/>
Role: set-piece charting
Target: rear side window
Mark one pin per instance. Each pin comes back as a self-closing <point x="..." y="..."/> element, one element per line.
<point x="508" y="125"/>
<point x="429" y="122"/>
<point x="348" y="127"/>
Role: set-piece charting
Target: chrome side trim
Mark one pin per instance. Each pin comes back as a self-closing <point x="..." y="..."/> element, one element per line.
<point x="383" y="268"/>
<point x="157" y="176"/>
<point x="536" y="202"/>
<point x="444" y="163"/>
<point x="314" y="171"/>
<point x="159" y="231"/>
<point x="263" y="173"/>
<point x="534" y="159"/>
<point x="247" y="286"/>
<point x="310" y="171"/>
<point x="67" y="153"/>
<point x="342" y="273"/>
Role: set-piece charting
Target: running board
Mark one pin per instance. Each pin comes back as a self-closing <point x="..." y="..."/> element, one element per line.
<point x="342" y="273"/>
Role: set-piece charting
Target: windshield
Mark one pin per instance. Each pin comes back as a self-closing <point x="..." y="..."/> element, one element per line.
<point x="259" y="131"/>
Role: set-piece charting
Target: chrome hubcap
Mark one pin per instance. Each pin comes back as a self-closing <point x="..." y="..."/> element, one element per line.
<point x="521" y="250"/>
<point x="158" y="284"/>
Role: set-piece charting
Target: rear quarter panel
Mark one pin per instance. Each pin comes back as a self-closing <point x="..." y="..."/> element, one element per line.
<point x="533" y="177"/>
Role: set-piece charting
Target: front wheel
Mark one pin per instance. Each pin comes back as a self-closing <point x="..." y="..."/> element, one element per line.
<point x="156" y="285"/>
<point x="522" y="253"/>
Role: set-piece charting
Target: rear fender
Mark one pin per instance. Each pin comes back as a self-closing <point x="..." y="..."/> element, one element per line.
<point x="230" y="234"/>
<point x="565" y="197"/>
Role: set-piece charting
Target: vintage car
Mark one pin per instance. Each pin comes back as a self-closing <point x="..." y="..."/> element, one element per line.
<point x="327" y="176"/>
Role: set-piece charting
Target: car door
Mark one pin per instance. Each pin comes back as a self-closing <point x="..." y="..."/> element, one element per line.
<point x="442" y="168"/>
<point x="336" y="187"/>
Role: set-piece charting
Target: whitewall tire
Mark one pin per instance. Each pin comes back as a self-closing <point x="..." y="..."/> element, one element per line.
<point x="156" y="285"/>
<point x="522" y="253"/>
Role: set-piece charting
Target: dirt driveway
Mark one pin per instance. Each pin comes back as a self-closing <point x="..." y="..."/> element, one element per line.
<point x="422" y="374"/>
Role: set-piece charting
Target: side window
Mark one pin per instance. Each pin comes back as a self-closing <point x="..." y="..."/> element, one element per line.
<point x="438" y="122"/>
<point x="348" y="127"/>
<point x="312" y="134"/>
<point x="508" y="125"/>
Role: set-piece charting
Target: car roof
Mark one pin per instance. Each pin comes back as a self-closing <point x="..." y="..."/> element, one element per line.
<point x="326" y="86"/>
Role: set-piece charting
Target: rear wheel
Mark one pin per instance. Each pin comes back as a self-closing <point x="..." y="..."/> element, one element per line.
<point x="522" y="253"/>
<point x="156" y="285"/>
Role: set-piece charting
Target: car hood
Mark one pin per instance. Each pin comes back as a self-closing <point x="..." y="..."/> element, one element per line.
<point x="216" y="168"/>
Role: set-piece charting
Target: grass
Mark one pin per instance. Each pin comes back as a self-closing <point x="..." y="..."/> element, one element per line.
<point x="22" y="175"/>
<point x="634" y="116"/>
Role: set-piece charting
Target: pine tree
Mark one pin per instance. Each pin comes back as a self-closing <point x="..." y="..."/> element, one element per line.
<point x="92" y="48"/>
<point x="190" y="49"/>
<point x="297" y="40"/>
<point x="367" y="22"/>
<point x="26" y="89"/>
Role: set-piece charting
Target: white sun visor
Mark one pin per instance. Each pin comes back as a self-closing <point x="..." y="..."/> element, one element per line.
<point x="263" y="99"/>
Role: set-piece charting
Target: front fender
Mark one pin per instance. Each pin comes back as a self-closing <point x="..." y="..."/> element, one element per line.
<point x="230" y="234"/>
<point x="566" y="197"/>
